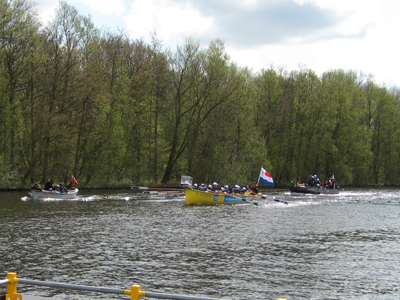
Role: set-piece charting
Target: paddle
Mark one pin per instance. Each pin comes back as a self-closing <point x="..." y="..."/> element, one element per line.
<point x="249" y="201"/>
<point x="139" y="188"/>
<point x="150" y="188"/>
<point x="276" y="200"/>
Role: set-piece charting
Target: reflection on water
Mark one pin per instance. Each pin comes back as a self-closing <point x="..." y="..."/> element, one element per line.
<point x="314" y="247"/>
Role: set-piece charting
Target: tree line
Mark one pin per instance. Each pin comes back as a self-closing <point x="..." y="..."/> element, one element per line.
<point x="76" y="100"/>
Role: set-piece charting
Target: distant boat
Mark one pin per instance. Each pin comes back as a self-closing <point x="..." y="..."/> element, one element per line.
<point x="71" y="194"/>
<point x="313" y="190"/>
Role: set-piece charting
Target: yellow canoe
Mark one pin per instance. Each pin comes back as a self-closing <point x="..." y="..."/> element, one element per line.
<point x="210" y="198"/>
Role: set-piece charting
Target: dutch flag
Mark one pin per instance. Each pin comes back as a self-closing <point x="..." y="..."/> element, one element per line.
<point x="266" y="178"/>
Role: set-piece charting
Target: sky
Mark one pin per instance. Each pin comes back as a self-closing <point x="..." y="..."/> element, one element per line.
<point x="321" y="35"/>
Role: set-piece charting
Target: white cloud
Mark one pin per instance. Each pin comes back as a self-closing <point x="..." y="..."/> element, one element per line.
<point x="365" y="41"/>
<point x="172" y="21"/>
<point x="106" y="7"/>
<point x="244" y="3"/>
<point x="358" y="14"/>
<point x="46" y="10"/>
<point x="359" y="35"/>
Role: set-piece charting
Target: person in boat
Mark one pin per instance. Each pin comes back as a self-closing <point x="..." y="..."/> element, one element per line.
<point x="332" y="183"/>
<point x="318" y="181"/>
<point x="311" y="181"/>
<point x="203" y="187"/>
<point x="225" y="188"/>
<point x="254" y="188"/>
<point x="49" y="185"/>
<point x="195" y="186"/>
<point x="36" y="187"/>
<point x="243" y="189"/>
<point x="214" y="187"/>
<point x="236" y="189"/>
<point x="62" y="188"/>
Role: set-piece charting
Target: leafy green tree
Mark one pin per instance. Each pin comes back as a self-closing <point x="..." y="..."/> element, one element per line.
<point x="78" y="101"/>
<point x="381" y="119"/>
<point x="185" y="69"/>
<point x="348" y="154"/>
<point x="18" y="29"/>
<point x="64" y="42"/>
<point x="157" y="105"/>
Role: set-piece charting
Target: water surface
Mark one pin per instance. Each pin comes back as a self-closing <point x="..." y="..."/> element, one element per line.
<point x="342" y="246"/>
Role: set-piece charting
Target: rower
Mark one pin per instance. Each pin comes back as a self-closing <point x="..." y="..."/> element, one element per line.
<point x="236" y="189"/>
<point x="214" y="187"/>
<point x="243" y="190"/>
<point x="203" y="187"/>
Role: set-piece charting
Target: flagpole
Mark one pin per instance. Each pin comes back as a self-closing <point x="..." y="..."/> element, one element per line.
<point x="259" y="175"/>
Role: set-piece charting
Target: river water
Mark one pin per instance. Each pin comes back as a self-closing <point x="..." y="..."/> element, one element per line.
<point x="344" y="246"/>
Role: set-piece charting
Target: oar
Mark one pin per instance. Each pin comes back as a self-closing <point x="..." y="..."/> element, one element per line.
<point x="139" y="188"/>
<point x="150" y="188"/>
<point x="280" y="201"/>
<point x="247" y="201"/>
<point x="276" y="200"/>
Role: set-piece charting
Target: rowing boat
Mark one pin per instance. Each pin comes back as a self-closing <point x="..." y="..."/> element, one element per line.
<point x="71" y="194"/>
<point x="210" y="198"/>
<point x="313" y="190"/>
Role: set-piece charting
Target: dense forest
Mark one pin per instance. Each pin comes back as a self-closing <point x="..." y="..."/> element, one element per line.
<point x="76" y="100"/>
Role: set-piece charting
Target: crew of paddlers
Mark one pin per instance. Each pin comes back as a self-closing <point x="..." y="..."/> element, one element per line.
<point x="236" y="189"/>
<point x="314" y="181"/>
<point x="49" y="186"/>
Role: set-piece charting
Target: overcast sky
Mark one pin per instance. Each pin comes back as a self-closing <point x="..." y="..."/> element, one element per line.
<point x="358" y="35"/>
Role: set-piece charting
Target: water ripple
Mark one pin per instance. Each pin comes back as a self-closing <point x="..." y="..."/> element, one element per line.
<point x="314" y="247"/>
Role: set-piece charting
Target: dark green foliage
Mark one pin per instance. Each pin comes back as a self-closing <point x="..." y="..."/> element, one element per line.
<point x="109" y="110"/>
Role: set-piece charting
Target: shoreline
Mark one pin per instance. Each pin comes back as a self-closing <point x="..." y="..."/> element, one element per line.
<point x="177" y="187"/>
